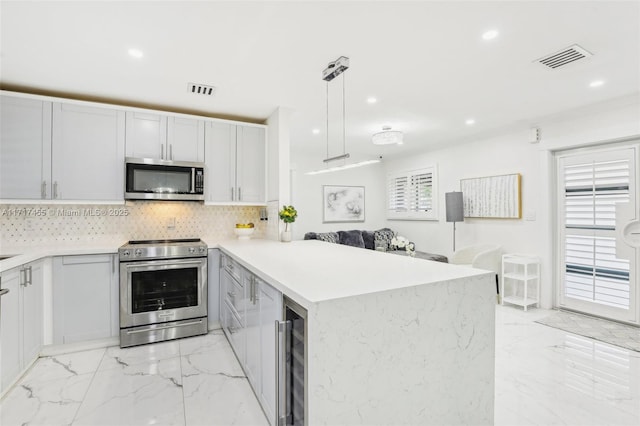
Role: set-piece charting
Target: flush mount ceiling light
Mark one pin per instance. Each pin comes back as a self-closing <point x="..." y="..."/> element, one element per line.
<point x="371" y="100"/>
<point x="490" y="35"/>
<point x="596" y="83"/>
<point x="387" y="137"/>
<point x="135" y="53"/>
<point x="470" y="122"/>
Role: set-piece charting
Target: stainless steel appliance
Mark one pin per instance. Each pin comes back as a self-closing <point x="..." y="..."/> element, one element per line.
<point x="163" y="290"/>
<point x="291" y="365"/>
<point x="151" y="179"/>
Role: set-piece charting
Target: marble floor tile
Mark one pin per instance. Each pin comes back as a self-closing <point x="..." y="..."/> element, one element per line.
<point x="44" y="402"/>
<point x="221" y="399"/>
<point x="116" y="357"/>
<point x="544" y="376"/>
<point x="138" y="394"/>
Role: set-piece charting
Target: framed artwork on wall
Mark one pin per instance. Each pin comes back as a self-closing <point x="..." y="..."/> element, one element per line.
<point x="342" y="203"/>
<point x="496" y="197"/>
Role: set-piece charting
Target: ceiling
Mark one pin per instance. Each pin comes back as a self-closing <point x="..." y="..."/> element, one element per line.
<point x="425" y="62"/>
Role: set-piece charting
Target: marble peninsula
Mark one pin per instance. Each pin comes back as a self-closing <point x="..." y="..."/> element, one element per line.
<point x="391" y="339"/>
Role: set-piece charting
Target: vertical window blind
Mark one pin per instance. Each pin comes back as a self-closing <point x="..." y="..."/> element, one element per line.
<point x="410" y="194"/>
<point x="592" y="271"/>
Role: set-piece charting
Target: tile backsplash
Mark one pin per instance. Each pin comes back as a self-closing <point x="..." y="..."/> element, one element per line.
<point x="46" y="224"/>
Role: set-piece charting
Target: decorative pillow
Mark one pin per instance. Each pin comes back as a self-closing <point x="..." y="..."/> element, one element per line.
<point x="369" y="240"/>
<point x="330" y="237"/>
<point x="310" y="236"/>
<point x="351" y="238"/>
<point x="382" y="237"/>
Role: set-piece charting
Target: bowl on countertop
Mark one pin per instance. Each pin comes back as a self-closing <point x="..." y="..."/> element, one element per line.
<point x="244" y="230"/>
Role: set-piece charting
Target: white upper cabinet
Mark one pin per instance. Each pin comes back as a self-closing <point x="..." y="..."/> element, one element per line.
<point x="235" y="159"/>
<point x="250" y="164"/>
<point x="60" y="151"/>
<point x="220" y="160"/>
<point x="146" y="135"/>
<point x="88" y="153"/>
<point x="25" y="148"/>
<point x="164" y="137"/>
<point x="185" y="138"/>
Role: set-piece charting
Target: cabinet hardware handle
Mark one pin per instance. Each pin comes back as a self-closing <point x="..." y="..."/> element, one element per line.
<point x="4" y="291"/>
<point x="162" y="151"/>
<point x="170" y="151"/>
<point x="232" y="194"/>
<point x="23" y="277"/>
<point x="29" y="275"/>
<point x="239" y="194"/>
<point x="55" y="189"/>
<point x="43" y="189"/>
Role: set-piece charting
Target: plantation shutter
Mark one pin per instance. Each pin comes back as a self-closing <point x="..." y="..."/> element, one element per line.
<point x="410" y="194"/>
<point x="592" y="271"/>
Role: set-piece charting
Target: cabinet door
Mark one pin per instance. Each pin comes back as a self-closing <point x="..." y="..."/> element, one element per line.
<point x="250" y="164"/>
<point x="146" y="135"/>
<point x="185" y="138"/>
<point x="220" y="159"/>
<point x="213" y="282"/>
<point x="10" y="328"/>
<point x="82" y="298"/>
<point x="235" y="333"/>
<point x="252" y="330"/>
<point x="25" y="148"/>
<point x="88" y="153"/>
<point x="32" y="312"/>
<point x="270" y="312"/>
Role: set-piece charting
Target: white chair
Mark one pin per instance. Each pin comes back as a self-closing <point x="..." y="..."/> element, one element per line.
<point x="481" y="256"/>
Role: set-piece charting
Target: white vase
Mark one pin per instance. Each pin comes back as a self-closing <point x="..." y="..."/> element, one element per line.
<point x="285" y="236"/>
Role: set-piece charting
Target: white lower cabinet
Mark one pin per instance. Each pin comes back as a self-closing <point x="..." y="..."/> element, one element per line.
<point x="248" y="320"/>
<point x="213" y="289"/>
<point x="21" y="323"/>
<point x="85" y="298"/>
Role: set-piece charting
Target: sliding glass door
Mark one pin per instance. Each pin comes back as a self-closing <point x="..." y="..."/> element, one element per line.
<point x="599" y="224"/>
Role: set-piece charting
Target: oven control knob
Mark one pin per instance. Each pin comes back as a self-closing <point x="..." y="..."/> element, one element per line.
<point x="203" y="249"/>
<point x="192" y="249"/>
<point x="126" y="253"/>
<point x="138" y="252"/>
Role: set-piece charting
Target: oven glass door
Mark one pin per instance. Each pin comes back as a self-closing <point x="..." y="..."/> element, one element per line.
<point x="163" y="290"/>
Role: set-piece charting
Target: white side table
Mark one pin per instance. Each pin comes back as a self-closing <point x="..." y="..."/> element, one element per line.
<point x="522" y="274"/>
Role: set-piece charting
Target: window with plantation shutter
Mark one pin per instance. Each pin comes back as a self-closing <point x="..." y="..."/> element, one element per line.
<point x="592" y="272"/>
<point x="411" y="195"/>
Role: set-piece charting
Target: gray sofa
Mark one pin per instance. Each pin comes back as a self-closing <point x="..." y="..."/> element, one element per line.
<point x="369" y="240"/>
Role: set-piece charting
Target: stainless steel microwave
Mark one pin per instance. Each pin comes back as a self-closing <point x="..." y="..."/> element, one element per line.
<point x="151" y="179"/>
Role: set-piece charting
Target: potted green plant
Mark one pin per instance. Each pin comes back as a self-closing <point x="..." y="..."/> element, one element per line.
<point x="288" y="215"/>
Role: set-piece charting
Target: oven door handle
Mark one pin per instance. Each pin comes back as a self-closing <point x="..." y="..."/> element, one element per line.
<point x="164" y="263"/>
<point x="163" y="327"/>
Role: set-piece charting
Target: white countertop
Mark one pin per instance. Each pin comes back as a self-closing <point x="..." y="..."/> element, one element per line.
<point x="315" y="271"/>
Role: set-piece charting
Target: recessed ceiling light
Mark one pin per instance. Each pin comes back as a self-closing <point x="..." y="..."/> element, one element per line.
<point x="316" y="131"/>
<point x="490" y="35"/>
<point x="371" y="100"/>
<point x="596" y="83"/>
<point x="136" y="53"/>
<point x="470" y="122"/>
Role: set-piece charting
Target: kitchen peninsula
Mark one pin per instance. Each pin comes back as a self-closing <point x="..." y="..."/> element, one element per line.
<point x="390" y="339"/>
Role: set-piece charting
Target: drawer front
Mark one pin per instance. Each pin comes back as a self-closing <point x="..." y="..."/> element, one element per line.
<point x="234" y="294"/>
<point x="235" y="333"/>
<point x="233" y="267"/>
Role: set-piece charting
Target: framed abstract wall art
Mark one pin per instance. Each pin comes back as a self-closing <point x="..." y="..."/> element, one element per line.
<point x="342" y="203"/>
<point x="496" y="197"/>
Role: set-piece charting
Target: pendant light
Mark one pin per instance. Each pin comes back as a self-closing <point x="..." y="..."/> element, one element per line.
<point x="334" y="69"/>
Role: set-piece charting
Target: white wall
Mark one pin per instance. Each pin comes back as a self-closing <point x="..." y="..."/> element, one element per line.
<point x="307" y="195"/>
<point x="512" y="153"/>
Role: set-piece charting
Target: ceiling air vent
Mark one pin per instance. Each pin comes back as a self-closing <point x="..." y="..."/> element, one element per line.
<point x="201" y="89"/>
<point x="564" y="57"/>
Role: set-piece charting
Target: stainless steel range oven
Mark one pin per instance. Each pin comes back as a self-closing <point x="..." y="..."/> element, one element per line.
<point x="163" y="290"/>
